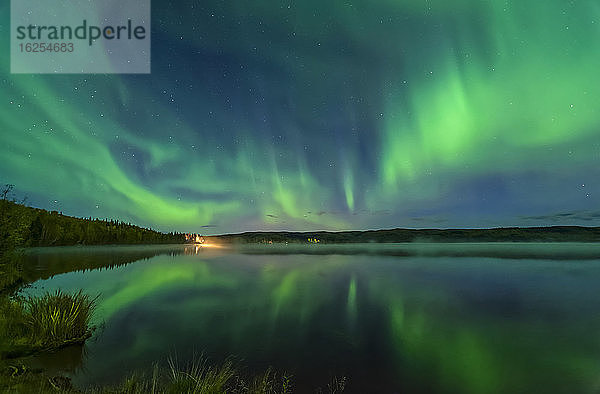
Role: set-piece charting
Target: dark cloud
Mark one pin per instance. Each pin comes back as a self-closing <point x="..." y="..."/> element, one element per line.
<point x="565" y="216"/>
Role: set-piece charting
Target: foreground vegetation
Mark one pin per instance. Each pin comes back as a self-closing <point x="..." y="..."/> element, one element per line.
<point x="198" y="377"/>
<point x="43" y="323"/>
<point x="30" y="325"/>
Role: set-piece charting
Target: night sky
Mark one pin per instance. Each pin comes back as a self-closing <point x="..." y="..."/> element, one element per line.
<point x="323" y="115"/>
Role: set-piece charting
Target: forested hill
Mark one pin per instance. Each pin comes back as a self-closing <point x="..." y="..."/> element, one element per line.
<point x="513" y="234"/>
<point x="23" y="226"/>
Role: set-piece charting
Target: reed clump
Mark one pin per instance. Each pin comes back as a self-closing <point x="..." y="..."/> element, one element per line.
<point x="199" y="377"/>
<point x="59" y="318"/>
<point x="50" y="321"/>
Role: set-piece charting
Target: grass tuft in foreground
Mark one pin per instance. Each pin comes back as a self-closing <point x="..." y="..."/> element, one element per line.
<point x="270" y="382"/>
<point x="55" y="319"/>
<point x="50" y="321"/>
<point x="199" y="377"/>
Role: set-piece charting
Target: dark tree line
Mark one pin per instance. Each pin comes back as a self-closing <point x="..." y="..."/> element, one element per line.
<point x="512" y="234"/>
<point x="23" y="226"/>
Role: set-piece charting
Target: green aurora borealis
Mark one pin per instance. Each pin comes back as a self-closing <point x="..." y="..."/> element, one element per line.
<point x="323" y="115"/>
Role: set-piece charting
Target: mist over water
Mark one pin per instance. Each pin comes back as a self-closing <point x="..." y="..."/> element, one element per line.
<point x="499" y="318"/>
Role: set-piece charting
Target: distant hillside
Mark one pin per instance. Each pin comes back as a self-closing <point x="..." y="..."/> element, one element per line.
<point x="23" y="226"/>
<point x="512" y="234"/>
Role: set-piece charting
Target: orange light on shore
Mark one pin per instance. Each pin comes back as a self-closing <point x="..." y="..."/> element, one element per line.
<point x="209" y="245"/>
<point x="199" y="242"/>
<point x="198" y="248"/>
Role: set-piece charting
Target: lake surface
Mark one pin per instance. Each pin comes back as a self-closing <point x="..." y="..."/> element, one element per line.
<point x="419" y="318"/>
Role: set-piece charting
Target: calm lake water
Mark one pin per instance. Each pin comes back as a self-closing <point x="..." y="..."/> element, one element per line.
<point x="419" y="318"/>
